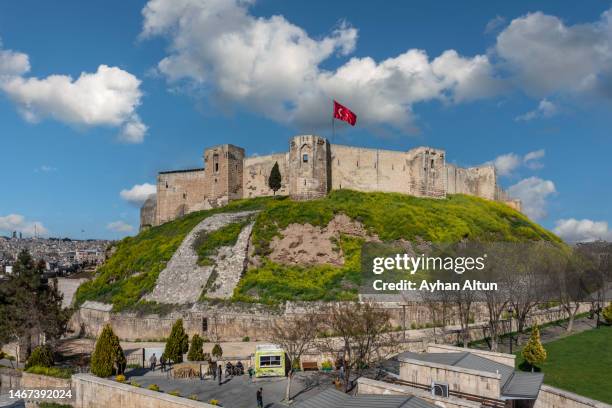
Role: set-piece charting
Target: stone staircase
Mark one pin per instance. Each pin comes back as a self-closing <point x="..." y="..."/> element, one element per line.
<point x="230" y="262"/>
<point x="182" y="280"/>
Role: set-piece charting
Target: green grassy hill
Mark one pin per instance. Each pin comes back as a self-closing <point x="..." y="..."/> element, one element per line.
<point x="132" y="270"/>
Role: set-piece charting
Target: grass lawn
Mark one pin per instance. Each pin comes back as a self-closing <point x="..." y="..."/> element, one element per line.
<point x="580" y="363"/>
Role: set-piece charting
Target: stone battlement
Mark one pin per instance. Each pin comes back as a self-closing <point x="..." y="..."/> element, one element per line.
<point x="310" y="169"/>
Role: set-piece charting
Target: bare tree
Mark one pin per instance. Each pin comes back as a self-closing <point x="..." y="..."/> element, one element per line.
<point x="362" y="335"/>
<point x="296" y="335"/>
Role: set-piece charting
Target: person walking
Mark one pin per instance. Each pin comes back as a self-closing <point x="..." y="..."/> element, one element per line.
<point x="260" y="398"/>
<point x="153" y="362"/>
<point x="219" y="372"/>
<point x="250" y="373"/>
<point x="342" y="372"/>
<point x="162" y="362"/>
<point x="213" y="368"/>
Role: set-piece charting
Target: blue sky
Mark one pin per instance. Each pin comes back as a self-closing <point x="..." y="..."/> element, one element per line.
<point x="97" y="96"/>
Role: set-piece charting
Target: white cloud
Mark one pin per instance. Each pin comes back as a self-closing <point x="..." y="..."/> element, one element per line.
<point x="533" y="193"/>
<point x="13" y="63"/>
<point x="545" y="109"/>
<point x="532" y="159"/>
<point x="119" y="226"/>
<point x="107" y="97"/>
<point x="494" y="24"/>
<point x="273" y="67"/>
<point x="585" y="230"/>
<point x="545" y="56"/>
<point x="17" y="222"/>
<point x="138" y="193"/>
<point x="45" y="169"/>
<point x="506" y="164"/>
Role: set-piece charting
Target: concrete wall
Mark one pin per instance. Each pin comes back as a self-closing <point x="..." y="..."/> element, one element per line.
<point x="551" y="397"/>
<point x="503" y="358"/>
<point x="94" y="392"/>
<point x="257" y="171"/>
<point x="367" y="386"/>
<point x="458" y="379"/>
<point x="9" y="379"/>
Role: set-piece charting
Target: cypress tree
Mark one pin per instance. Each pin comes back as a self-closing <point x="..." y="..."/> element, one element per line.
<point x="274" y="181"/>
<point x="178" y="343"/>
<point x="196" y="353"/>
<point x="41" y="356"/>
<point x="217" y="351"/>
<point x="108" y="356"/>
<point x="534" y="353"/>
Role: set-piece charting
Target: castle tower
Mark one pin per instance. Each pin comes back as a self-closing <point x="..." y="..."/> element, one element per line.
<point x="309" y="167"/>
<point x="223" y="167"/>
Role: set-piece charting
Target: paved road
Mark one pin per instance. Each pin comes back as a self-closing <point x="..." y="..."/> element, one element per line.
<point x="6" y="402"/>
<point x="239" y="392"/>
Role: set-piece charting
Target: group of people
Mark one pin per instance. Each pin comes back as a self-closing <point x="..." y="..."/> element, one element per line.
<point x="162" y="362"/>
<point x="217" y="372"/>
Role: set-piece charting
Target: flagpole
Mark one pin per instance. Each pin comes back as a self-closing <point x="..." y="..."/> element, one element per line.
<point x="333" y="122"/>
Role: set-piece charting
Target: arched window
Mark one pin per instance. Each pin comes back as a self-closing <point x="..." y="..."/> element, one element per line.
<point x="305" y="158"/>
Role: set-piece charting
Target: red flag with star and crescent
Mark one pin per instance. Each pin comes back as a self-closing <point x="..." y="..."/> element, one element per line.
<point x="343" y="113"/>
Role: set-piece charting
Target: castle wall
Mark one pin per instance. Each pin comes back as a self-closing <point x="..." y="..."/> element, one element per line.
<point x="477" y="181"/>
<point x="224" y="174"/>
<point x="418" y="172"/>
<point x="257" y="171"/>
<point x="179" y="193"/>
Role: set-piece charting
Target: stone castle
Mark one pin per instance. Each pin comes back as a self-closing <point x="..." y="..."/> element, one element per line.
<point x="310" y="169"/>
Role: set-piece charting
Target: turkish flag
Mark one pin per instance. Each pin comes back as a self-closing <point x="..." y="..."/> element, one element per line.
<point x="344" y="113"/>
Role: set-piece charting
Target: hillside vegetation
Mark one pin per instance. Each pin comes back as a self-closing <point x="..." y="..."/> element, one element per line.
<point x="133" y="269"/>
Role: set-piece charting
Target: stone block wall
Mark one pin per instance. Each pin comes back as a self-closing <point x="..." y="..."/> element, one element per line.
<point x="179" y="193"/>
<point x="309" y="171"/>
<point x="257" y="171"/>
<point x="476" y="181"/>
<point x="551" y="397"/>
<point x="462" y="380"/>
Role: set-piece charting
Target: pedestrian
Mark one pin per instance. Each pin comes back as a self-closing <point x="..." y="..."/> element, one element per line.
<point x="260" y="398"/>
<point x="342" y="372"/>
<point x="153" y="361"/>
<point x="219" y="372"/>
<point x="213" y="368"/>
<point x="162" y="362"/>
<point x="250" y="373"/>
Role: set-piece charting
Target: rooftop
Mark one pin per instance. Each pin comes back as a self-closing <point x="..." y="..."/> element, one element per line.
<point x="514" y="384"/>
<point x="331" y="398"/>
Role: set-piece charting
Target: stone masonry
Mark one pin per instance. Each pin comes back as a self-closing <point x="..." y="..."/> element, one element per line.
<point x="311" y="169"/>
<point x="182" y="280"/>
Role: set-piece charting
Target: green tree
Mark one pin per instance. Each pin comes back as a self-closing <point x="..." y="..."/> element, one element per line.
<point x="108" y="356"/>
<point x="30" y="305"/>
<point x="607" y="313"/>
<point x="274" y="181"/>
<point x="196" y="353"/>
<point x="177" y="344"/>
<point x="534" y="353"/>
<point x="41" y="356"/>
<point x="217" y="351"/>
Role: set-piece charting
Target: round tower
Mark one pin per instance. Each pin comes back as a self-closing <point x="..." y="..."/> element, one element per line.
<point x="309" y="167"/>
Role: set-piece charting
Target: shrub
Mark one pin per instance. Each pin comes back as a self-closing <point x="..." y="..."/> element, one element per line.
<point x="196" y="353"/>
<point x="246" y="339"/>
<point x="120" y="378"/>
<point x="176" y="393"/>
<point x="194" y="397"/>
<point x="213" y="402"/>
<point x="41" y="356"/>
<point x="56" y="372"/>
<point x="217" y="351"/>
<point x="327" y="365"/>
<point x="607" y="313"/>
<point x="108" y="356"/>
<point x="533" y="352"/>
<point x="134" y="384"/>
<point x="153" y="387"/>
